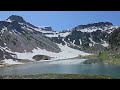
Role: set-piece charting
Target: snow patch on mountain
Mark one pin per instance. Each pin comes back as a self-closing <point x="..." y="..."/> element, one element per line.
<point x="56" y="34"/>
<point x="92" y="29"/>
<point x="50" y="33"/>
<point x="64" y="34"/>
<point x="66" y="53"/>
<point x="8" y="20"/>
<point x="88" y="29"/>
<point x="105" y="44"/>
<point x="10" y="61"/>
<point x="92" y="41"/>
<point x="80" y="41"/>
<point x="90" y="44"/>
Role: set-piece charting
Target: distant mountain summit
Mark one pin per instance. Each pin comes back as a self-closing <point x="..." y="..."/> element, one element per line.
<point x="16" y="19"/>
<point x="99" y="25"/>
<point x="94" y="26"/>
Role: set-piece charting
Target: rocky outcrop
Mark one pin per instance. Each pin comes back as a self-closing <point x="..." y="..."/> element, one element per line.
<point x="41" y="57"/>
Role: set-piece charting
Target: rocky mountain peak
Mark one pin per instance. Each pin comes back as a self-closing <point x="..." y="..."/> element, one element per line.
<point x="98" y="25"/>
<point x="15" y="18"/>
<point x="48" y="29"/>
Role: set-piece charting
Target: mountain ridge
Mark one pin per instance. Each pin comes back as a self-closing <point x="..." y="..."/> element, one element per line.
<point x="86" y="37"/>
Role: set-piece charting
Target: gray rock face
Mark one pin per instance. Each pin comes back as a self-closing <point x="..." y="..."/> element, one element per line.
<point x="89" y="42"/>
<point x="47" y="28"/>
<point x="6" y="55"/>
<point x="16" y="18"/>
<point x="20" y="36"/>
<point x="90" y="38"/>
<point x="114" y="42"/>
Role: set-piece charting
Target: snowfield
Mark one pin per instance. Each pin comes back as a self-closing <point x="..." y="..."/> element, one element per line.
<point x="66" y="53"/>
<point x="10" y="61"/>
<point x="105" y="44"/>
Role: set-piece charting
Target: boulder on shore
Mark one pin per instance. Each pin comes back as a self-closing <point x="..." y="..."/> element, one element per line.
<point x="41" y="57"/>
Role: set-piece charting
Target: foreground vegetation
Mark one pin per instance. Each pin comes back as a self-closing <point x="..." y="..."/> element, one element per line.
<point x="106" y="57"/>
<point x="111" y="54"/>
<point x="93" y="56"/>
<point x="55" y="76"/>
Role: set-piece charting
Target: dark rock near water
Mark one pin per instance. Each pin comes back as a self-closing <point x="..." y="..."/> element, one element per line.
<point x="41" y="57"/>
<point x="93" y="61"/>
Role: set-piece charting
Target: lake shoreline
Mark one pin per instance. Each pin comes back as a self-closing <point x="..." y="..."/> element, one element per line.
<point x="56" y="76"/>
<point x="65" y="67"/>
<point x="30" y="62"/>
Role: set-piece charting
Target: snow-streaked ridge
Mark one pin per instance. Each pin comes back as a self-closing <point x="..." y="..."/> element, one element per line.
<point x="56" y="34"/>
<point x="92" y="29"/>
<point x="52" y="33"/>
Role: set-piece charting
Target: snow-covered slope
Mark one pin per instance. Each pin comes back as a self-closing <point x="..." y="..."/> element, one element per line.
<point x="66" y="52"/>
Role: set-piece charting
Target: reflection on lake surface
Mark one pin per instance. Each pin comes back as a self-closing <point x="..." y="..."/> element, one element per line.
<point x="67" y="66"/>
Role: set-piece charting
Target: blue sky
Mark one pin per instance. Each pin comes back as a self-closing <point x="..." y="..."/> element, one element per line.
<point x="61" y="20"/>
